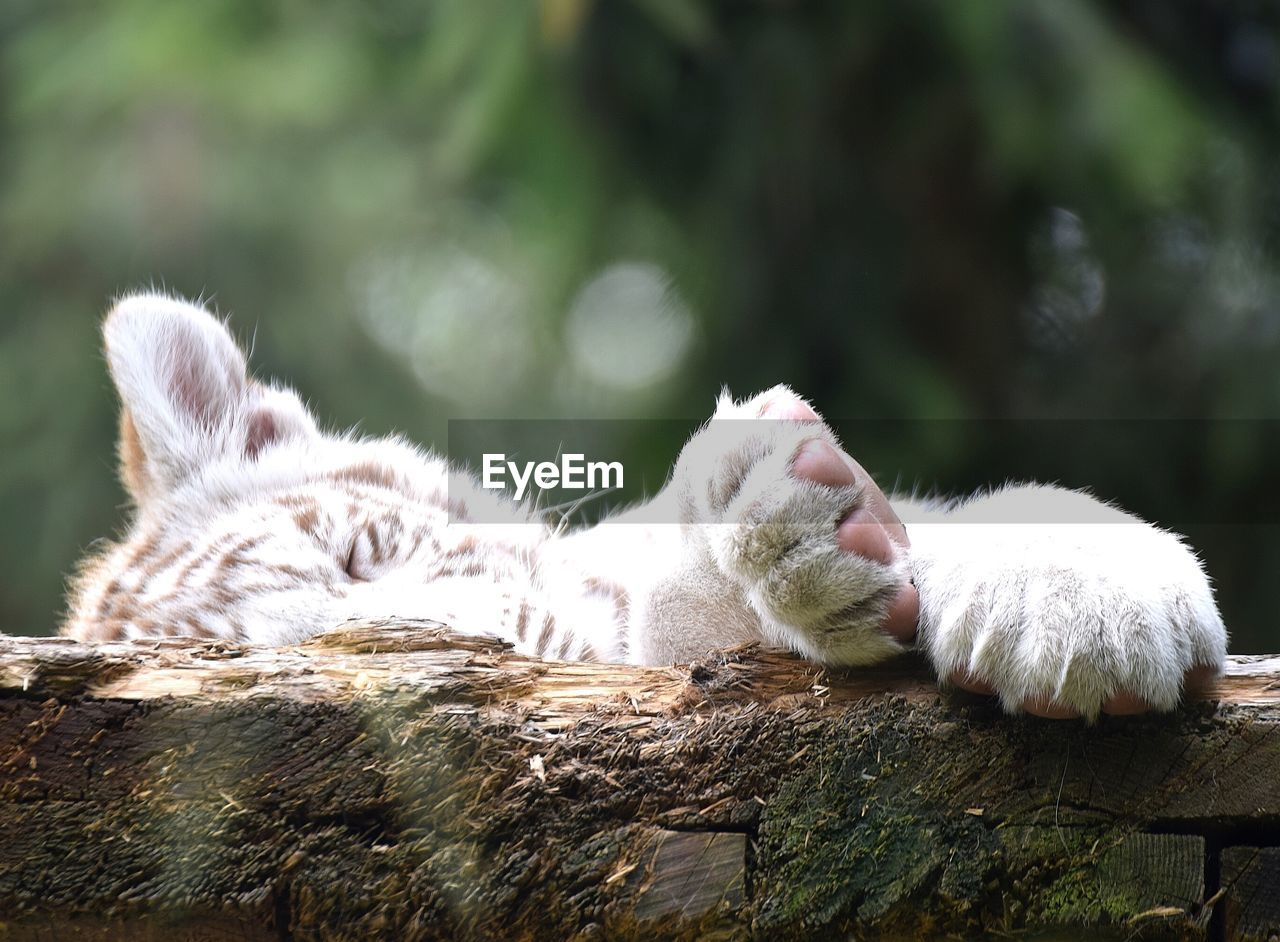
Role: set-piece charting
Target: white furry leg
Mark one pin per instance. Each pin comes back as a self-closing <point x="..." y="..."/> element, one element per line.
<point x="763" y="532"/>
<point x="1066" y="613"/>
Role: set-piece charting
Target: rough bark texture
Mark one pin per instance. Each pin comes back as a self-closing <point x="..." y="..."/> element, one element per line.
<point x="399" y="781"/>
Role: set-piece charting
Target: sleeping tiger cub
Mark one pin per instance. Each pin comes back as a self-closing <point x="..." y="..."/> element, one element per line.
<point x="251" y="523"/>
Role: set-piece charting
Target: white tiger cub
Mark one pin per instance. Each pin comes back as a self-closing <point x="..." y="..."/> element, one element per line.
<point x="252" y="524"/>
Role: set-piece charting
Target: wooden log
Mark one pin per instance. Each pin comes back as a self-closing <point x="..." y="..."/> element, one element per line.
<point x="400" y="781"/>
<point x="1251" y="880"/>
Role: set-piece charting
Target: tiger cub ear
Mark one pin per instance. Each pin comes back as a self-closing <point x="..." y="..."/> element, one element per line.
<point x="186" y="396"/>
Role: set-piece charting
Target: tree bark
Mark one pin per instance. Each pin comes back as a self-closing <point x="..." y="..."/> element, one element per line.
<point x="401" y="781"/>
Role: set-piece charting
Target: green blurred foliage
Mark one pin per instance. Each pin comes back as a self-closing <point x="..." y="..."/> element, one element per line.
<point x="952" y="212"/>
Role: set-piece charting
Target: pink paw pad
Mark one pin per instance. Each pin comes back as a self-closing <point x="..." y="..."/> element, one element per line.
<point x="1120" y="704"/>
<point x="788" y="409"/>
<point x="872" y="529"/>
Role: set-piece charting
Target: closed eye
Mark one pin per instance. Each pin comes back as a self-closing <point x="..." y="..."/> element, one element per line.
<point x="351" y="565"/>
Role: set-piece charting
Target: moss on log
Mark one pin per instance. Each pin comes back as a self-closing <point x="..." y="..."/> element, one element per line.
<point x="400" y="781"/>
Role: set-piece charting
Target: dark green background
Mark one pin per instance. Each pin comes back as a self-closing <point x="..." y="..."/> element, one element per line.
<point x="936" y="215"/>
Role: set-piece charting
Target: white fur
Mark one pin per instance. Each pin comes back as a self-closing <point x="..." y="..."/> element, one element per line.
<point x="1047" y="593"/>
<point x="1043" y="593"/>
<point x="771" y="539"/>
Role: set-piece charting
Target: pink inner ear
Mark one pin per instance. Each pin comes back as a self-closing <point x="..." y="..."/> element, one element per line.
<point x="203" y="386"/>
<point x="263" y="431"/>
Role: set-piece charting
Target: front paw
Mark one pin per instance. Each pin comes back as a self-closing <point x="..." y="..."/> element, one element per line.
<point x="787" y="516"/>
<point x="1067" y="620"/>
